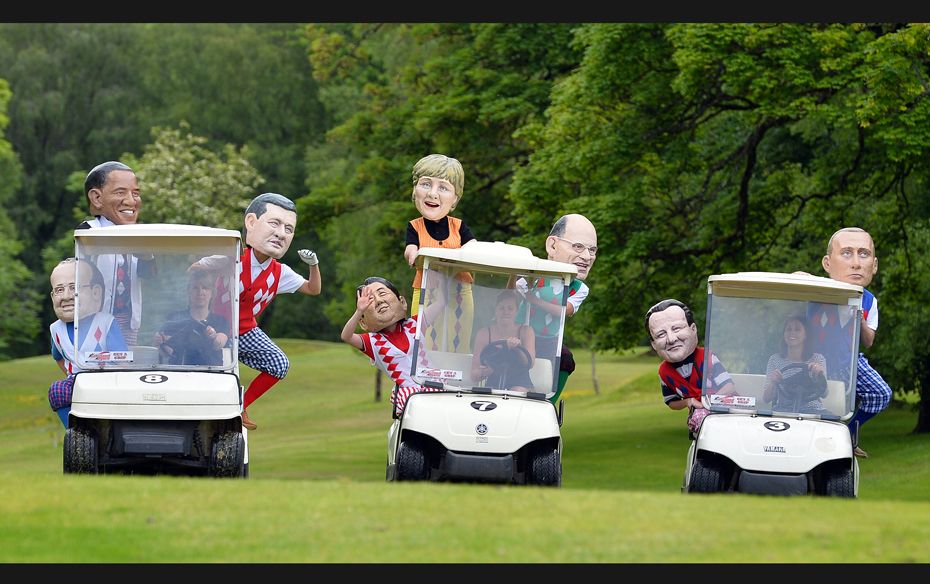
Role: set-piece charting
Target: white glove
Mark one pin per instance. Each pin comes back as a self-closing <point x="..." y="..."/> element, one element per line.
<point x="309" y="257"/>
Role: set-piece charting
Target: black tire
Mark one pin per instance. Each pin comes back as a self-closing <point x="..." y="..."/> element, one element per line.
<point x="79" y="454"/>
<point x="838" y="482"/>
<point x="411" y="462"/>
<point x="544" y="467"/>
<point x="706" y="477"/>
<point x="227" y="455"/>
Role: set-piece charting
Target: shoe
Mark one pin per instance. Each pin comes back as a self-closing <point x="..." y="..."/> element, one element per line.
<point x="860" y="452"/>
<point x="246" y="422"/>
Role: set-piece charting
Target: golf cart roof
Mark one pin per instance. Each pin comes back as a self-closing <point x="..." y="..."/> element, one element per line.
<point x="795" y="286"/>
<point x="496" y="254"/>
<point x="155" y="230"/>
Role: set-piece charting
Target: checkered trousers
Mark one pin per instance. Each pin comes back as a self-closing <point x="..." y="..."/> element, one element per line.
<point x="874" y="394"/>
<point x="59" y="393"/>
<point x="258" y="351"/>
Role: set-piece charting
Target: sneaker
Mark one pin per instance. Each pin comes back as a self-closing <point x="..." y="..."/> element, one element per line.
<point x="860" y="452"/>
<point x="246" y="422"/>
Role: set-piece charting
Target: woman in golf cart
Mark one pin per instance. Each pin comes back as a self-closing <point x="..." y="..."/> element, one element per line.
<point x="505" y="350"/>
<point x="796" y="376"/>
<point x="195" y="335"/>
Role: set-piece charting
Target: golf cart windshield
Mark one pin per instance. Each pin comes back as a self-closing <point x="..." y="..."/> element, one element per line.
<point x="788" y="343"/>
<point x="490" y="319"/>
<point x="142" y="308"/>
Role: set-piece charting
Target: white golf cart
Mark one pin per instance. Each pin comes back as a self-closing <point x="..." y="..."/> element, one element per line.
<point x="471" y="429"/>
<point x="155" y="407"/>
<point x="795" y="442"/>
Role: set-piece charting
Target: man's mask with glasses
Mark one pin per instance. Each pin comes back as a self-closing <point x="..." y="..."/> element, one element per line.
<point x="59" y="291"/>
<point x="579" y="247"/>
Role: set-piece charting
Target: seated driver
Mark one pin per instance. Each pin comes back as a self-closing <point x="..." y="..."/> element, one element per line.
<point x="513" y="355"/>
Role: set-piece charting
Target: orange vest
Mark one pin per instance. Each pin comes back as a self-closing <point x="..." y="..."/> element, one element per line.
<point x="454" y="241"/>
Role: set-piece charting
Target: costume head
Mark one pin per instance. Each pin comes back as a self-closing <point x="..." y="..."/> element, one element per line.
<point x="64" y="286"/>
<point x="270" y="221"/>
<point x="573" y="240"/>
<point x="672" y="331"/>
<point x="851" y="256"/>
<point x="112" y="191"/>
<point x="387" y="307"/>
<point x="438" y="182"/>
<point x="62" y="280"/>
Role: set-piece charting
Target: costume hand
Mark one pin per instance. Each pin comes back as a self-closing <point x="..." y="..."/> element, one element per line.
<point x="308" y="257"/>
<point x="698" y="403"/>
<point x="365" y="298"/>
<point x="410" y="255"/>
<point x="775" y="376"/>
<point x="513" y="342"/>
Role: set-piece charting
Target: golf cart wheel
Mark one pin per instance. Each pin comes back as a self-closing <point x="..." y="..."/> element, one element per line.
<point x="227" y="455"/>
<point x="706" y="476"/>
<point x="839" y="483"/>
<point x="411" y="462"/>
<point x="544" y="467"/>
<point x="80" y="451"/>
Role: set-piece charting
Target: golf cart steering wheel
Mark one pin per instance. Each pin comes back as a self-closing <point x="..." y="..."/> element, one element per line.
<point x="187" y="335"/>
<point x="499" y="357"/>
<point x="796" y="380"/>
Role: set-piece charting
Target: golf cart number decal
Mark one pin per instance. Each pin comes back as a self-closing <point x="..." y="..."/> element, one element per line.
<point x="153" y="378"/>
<point x="432" y="373"/>
<point x="483" y="406"/>
<point x="776" y="426"/>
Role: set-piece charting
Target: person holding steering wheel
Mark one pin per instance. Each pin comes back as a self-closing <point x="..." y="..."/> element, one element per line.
<point x="505" y="351"/>
<point x="796" y="377"/>
<point x="195" y="335"/>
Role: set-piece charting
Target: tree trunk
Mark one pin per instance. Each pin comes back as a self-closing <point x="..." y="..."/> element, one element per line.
<point x="923" y="406"/>
<point x="377" y="385"/>
<point x="597" y="386"/>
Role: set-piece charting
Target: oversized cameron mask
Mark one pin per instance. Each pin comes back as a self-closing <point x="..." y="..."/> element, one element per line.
<point x="671" y="335"/>
<point x="385" y="309"/>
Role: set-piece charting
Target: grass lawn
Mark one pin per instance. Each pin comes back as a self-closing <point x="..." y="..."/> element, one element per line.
<point x="317" y="491"/>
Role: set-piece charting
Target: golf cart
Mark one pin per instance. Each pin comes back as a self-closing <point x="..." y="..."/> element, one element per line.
<point x="793" y="439"/>
<point x="153" y="408"/>
<point x="486" y="429"/>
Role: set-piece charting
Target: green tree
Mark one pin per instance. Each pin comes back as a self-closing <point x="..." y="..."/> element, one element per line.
<point x="237" y="83"/>
<point x="22" y="322"/>
<point x="76" y="103"/>
<point x="190" y="183"/>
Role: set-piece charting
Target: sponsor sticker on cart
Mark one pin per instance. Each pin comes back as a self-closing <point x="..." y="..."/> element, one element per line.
<point x="433" y="373"/>
<point x="734" y="401"/>
<point x="109" y="357"/>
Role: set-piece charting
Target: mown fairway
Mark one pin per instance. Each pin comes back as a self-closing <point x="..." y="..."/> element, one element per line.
<point x="317" y="491"/>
